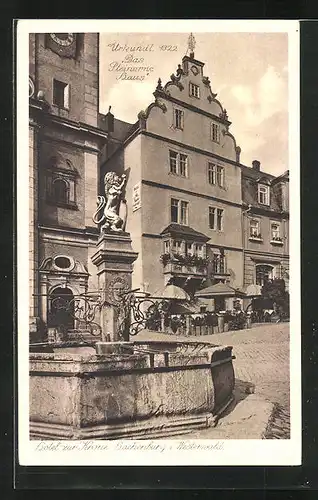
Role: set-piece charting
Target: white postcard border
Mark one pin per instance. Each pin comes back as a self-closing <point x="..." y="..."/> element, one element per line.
<point x="229" y="452"/>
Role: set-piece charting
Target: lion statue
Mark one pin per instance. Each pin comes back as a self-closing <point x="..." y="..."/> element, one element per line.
<point x="108" y="207"/>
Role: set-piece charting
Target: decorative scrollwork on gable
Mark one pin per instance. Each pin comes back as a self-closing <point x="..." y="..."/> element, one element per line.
<point x="236" y="148"/>
<point x="224" y="116"/>
<point x="143" y="115"/>
<point x="206" y="80"/>
<point x="175" y="80"/>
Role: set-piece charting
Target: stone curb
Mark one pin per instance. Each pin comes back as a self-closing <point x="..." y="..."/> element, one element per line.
<point x="251" y="418"/>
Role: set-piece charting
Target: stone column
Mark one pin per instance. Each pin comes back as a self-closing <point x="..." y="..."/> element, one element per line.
<point x="114" y="261"/>
<point x="221" y="322"/>
<point x="248" y="320"/>
<point x="188" y="324"/>
<point x="162" y="321"/>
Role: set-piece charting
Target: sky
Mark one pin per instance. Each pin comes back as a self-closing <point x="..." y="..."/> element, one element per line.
<point x="248" y="71"/>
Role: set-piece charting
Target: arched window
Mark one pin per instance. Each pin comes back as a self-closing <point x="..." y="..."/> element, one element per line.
<point x="61" y="309"/>
<point x="61" y="182"/>
<point x="61" y="191"/>
<point x="264" y="273"/>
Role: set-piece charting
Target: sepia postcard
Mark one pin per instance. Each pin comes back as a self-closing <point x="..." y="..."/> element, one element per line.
<point x="158" y="251"/>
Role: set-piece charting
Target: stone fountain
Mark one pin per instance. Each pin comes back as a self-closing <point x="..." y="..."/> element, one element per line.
<point x="122" y="388"/>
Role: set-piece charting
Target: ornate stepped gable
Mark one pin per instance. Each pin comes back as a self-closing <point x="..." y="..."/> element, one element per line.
<point x="187" y="73"/>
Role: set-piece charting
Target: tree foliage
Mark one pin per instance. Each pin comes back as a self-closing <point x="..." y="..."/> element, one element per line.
<point x="275" y="290"/>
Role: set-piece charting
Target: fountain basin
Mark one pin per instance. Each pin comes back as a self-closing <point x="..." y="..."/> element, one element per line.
<point x="124" y="390"/>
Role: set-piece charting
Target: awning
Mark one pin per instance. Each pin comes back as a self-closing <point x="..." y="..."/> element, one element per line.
<point x="171" y="292"/>
<point x="219" y="290"/>
<point x="253" y="291"/>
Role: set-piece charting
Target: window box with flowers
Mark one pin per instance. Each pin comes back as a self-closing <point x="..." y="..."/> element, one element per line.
<point x="165" y="258"/>
<point x="277" y="240"/>
<point x="256" y="237"/>
<point x="184" y="260"/>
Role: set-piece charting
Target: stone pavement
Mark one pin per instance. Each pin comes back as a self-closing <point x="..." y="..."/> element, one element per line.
<point x="262" y="360"/>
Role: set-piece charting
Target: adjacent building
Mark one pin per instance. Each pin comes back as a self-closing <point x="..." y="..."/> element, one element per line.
<point x="65" y="145"/>
<point x="265" y="225"/>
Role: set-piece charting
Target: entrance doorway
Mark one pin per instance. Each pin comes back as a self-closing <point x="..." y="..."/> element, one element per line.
<point x="219" y="304"/>
<point x="61" y="309"/>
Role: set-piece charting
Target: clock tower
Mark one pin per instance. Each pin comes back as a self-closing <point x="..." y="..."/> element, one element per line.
<point x="65" y="143"/>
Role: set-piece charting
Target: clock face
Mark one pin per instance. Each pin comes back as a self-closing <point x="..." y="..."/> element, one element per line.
<point x="31" y="87"/>
<point x="63" y="39"/>
<point x="194" y="70"/>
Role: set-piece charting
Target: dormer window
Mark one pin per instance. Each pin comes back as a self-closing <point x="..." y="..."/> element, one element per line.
<point x="194" y="90"/>
<point x="263" y="194"/>
<point x="215" y="132"/>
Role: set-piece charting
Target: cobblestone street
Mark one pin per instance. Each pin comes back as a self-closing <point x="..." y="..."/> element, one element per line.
<point x="262" y="359"/>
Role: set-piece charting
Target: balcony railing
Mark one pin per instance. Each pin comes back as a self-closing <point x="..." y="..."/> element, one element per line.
<point x="184" y="264"/>
<point x="176" y="268"/>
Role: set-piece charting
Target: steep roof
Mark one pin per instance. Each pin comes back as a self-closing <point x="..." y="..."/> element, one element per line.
<point x="180" y="230"/>
<point x="220" y="289"/>
<point x="121" y="128"/>
<point x="255" y="174"/>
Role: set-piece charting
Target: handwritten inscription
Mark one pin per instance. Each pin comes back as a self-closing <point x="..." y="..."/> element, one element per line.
<point x="117" y="47"/>
<point x="125" y="71"/>
<point x="134" y="65"/>
<point x="128" y="446"/>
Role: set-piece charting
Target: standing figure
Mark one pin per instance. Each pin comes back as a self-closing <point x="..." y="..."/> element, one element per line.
<point x="110" y="205"/>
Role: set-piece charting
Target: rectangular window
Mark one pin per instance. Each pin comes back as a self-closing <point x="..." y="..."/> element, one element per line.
<point x="178" y="163"/>
<point x="183" y="163"/>
<point x="216" y="218"/>
<point x="219" y="219"/>
<point x="255" y="231"/>
<point x="218" y="263"/>
<point x="179" y="211"/>
<point x="263" y="194"/>
<point x="178" y="118"/>
<point x="275" y="231"/>
<point x="184" y="213"/>
<point x="212" y="173"/>
<point x="194" y="90"/>
<point x="189" y="248"/>
<point x="167" y="246"/>
<point x="198" y="250"/>
<point x="60" y="94"/>
<point x="211" y="217"/>
<point x="215" y="132"/>
<point x="174" y="210"/>
<point x="173" y="161"/>
<point x="177" y="246"/>
<point x="220" y="176"/>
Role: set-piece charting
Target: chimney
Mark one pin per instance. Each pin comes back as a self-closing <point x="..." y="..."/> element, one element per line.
<point x="256" y="165"/>
<point x="109" y="121"/>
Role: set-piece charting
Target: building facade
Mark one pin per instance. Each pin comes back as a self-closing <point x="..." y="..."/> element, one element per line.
<point x="182" y="165"/>
<point x="196" y="215"/>
<point x="265" y="226"/>
<point x="196" y="212"/>
<point x="65" y="146"/>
